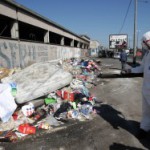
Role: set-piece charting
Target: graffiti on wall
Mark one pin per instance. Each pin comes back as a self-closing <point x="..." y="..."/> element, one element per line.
<point x="8" y="55"/>
<point x="22" y="54"/>
<point x="65" y="52"/>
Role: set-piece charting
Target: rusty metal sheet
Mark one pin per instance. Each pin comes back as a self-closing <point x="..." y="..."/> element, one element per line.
<point x="38" y="80"/>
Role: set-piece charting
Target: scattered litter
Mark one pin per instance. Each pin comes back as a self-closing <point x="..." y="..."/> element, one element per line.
<point x="46" y="95"/>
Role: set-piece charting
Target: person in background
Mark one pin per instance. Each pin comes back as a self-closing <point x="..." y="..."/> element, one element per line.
<point x="123" y="59"/>
<point x="145" y="69"/>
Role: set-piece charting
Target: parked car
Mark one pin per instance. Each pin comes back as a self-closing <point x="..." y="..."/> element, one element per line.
<point x="102" y="53"/>
<point x="105" y="53"/>
<point x="117" y="55"/>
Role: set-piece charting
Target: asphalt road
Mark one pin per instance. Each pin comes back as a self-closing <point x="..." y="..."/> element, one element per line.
<point x="114" y="128"/>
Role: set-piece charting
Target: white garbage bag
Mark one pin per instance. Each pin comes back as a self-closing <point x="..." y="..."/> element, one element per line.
<point x="7" y="103"/>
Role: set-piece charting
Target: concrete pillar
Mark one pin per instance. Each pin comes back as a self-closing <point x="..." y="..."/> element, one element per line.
<point x="62" y="42"/>
<point x="46" y="37"/>
<point x="78" y="45"/>
<point x="83" y="46"/>
<point x="15" y="30"/>
<point x="72" y="43"/>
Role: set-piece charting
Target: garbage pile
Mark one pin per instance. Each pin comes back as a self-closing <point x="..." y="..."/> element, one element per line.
<point x="45" y="95"/>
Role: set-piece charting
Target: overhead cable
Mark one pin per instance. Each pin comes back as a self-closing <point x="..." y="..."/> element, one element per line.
<point x="125" y="17"/>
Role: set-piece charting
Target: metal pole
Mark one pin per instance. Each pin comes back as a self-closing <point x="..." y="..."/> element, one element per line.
<point x="138" y="32"/>
<point x="135" y="37"/>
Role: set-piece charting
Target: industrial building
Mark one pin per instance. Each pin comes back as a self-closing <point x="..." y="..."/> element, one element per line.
<point x="27" y="37"/>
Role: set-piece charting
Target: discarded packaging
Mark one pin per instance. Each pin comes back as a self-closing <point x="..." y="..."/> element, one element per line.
<point x="44" y="125"/>
<point x="50" y="101"/>
<point x="26" y="129"/>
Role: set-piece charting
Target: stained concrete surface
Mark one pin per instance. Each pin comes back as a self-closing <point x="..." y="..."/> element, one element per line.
<point x="114" y="128"/>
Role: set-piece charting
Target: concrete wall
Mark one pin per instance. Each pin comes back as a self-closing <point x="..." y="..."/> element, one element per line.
<point x="15" y="53"/>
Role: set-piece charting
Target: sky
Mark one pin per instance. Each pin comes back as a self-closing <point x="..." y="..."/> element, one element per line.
<point x="95" y="18"/>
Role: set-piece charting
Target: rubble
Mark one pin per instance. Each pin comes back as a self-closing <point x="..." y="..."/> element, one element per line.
<point x="47" y="95"/>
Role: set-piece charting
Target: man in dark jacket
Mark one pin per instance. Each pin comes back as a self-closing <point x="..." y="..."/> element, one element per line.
<point x="123" y="59"/>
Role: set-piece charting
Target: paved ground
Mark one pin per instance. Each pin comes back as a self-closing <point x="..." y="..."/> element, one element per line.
<point x="114" y="128"/>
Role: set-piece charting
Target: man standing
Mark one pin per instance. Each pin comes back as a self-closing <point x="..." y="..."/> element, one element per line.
<point x="123" y="59"/>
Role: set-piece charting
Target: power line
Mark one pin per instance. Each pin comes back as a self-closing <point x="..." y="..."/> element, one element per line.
<point x="125" y="17"/>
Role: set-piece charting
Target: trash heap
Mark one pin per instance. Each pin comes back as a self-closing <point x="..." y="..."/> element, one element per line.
<point x="46" y="95"/>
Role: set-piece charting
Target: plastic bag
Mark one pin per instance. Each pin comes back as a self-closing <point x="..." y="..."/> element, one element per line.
<point x="7" y="103"/>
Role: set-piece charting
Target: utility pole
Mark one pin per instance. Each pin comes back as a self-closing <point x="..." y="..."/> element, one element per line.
<point x="135" y="36"/>
<point x="135" y="29"/>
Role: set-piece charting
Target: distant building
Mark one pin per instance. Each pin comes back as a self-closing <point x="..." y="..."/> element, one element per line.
<point x="94" y="48"/>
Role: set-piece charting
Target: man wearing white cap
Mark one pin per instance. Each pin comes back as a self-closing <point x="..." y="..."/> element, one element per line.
<point x="145" y="69"/>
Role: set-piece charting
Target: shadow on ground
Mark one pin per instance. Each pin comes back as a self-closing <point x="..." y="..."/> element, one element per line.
<point x="121" y="75"/>
<point x="117" y="146"/>
<point x="117" y="120"/>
